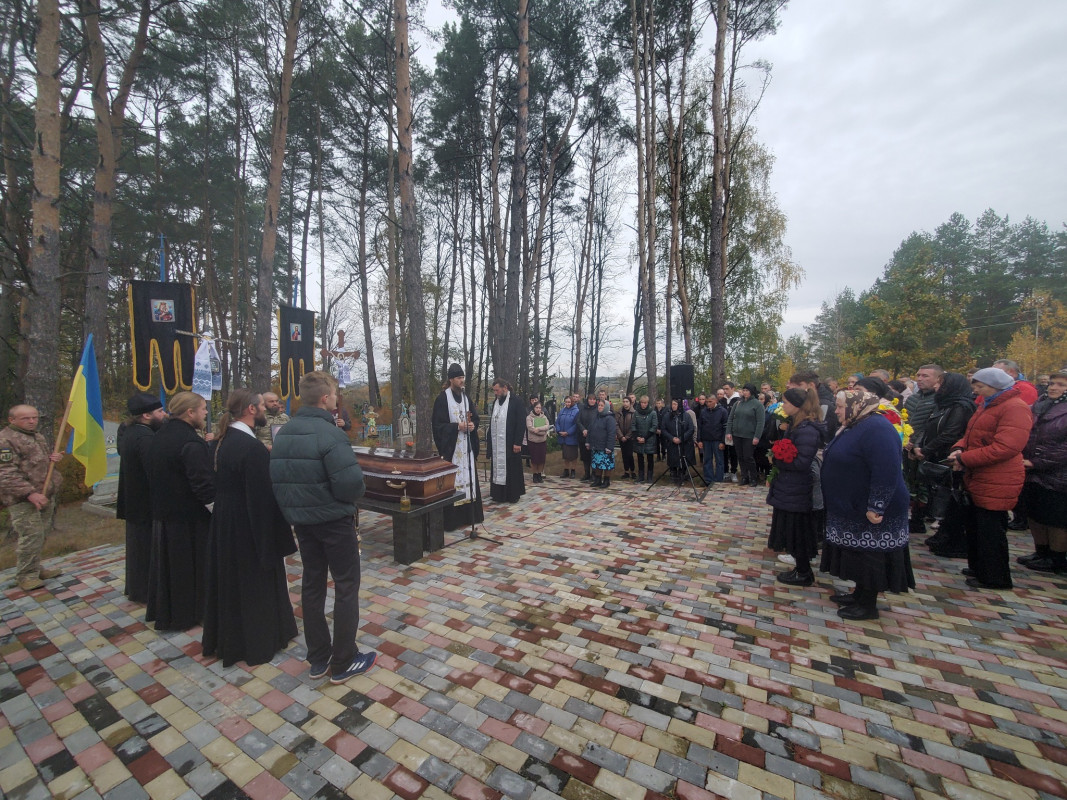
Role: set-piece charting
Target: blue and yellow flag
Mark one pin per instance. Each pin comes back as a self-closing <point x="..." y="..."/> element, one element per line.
<point x="87" y="418"/>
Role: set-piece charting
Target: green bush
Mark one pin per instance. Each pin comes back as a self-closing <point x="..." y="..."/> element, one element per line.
<point x="73" y="488"/>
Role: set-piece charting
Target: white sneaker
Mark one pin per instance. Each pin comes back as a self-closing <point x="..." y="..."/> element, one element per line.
<point x="785" y="558"/>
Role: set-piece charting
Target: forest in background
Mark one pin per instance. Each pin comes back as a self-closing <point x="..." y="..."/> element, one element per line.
<point x="963" y="296"/>
<point x="265" y="142"/>
<point x="494" y="205"/>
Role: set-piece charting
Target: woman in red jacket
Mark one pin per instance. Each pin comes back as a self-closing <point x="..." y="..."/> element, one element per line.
<point x="990" y="455"/>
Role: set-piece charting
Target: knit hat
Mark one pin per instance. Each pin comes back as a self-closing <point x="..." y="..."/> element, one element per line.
<point x="991" y="376"/>
<point x="795" y="397"/>
<point x="143" y="403"/>
<point x="874" y="384"/>
<point x="455" y="371"/>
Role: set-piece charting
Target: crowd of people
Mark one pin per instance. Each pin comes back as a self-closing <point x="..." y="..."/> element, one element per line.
<point x="850" y="474"/>
<point x="960" y="454"/>
<point x="210" y="520"/>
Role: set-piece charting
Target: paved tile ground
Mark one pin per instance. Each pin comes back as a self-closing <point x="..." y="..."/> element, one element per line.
<point x="629" y="644"/>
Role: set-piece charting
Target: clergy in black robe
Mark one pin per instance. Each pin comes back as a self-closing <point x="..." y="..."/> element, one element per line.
<point x="133" y="503"/>
<point x="181" y="482"/>
<point x="507" y="427"/>
<point x="455" y="435"/>
<point x="248" y="616"/>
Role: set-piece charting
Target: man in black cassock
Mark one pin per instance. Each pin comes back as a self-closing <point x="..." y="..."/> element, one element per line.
<point x="182" y="486"/>
<point x="248" y="615"/>
<point x="507" y="427"/>
<point x="455" y="435"/>
<point x="133" y="503"/>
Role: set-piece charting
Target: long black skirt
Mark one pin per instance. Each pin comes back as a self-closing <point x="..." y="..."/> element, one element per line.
<point x="138" y="560"/>
<point x="177" y="580"/>
<point x="794" y="532"/>
<point x="1045" y="505"/>
<point x="872" y="570"/>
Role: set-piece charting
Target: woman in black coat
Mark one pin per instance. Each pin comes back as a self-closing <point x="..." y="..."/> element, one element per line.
<point x="678" y="432"/>
<point x="601" y="445"/>
<point x="953" y="408"/>
<point x="1045" y="491"/>
<point x="586" y="417"/>
<point x="793" y="522"/>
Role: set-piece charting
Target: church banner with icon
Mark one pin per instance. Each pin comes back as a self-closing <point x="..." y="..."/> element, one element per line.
<point x="296" y="347"/>
<point x="158" y="311"/>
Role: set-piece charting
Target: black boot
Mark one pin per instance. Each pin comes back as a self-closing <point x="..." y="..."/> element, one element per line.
<point x="915" y="521"/>
<point x="587" y="476"/>
<point x="640" y="476"/>
<point x="597" y="482"/>
<point x="606" y="483"/>
<point x="1041" y="551"/>
<point x="1054" y="562"/>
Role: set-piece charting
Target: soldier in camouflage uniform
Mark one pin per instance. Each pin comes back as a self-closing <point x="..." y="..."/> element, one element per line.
<point x="24" y="457"/>
<point x="275" y="416"/>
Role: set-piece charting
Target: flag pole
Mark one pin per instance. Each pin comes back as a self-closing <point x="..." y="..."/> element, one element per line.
<point x="163" y="279"/>
<point x="59" y="445"/>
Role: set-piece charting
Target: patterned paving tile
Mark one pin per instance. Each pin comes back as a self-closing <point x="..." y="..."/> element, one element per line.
<point x="628" y="644"/>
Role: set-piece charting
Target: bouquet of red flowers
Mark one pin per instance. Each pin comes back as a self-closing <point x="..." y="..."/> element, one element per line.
<point x="784" y="450"/>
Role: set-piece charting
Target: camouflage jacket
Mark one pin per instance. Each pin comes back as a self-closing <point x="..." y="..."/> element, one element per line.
<point x="263" y="432"/>
<point x="23" y="465"/>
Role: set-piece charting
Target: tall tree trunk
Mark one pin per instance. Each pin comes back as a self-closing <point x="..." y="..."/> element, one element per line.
<point x="409" y="235"/>
<point x="506" y="357"/>
<point x="456" y="267"/>
<point x="44" y="300"/>
<point x="109" y="119"/>
<point x="585" y="261"/>
<point x="644" y="93"/>
<point x="375" y="390"/>
<point x="261" y="354"/>
<point x="14" y="230"/>
<point x="636" y="342"/>
<point x="396" y="335"/>
<point x="716" y="272"/>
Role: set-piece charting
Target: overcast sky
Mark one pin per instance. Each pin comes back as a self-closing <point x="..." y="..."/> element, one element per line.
<point x="887" y="117"/>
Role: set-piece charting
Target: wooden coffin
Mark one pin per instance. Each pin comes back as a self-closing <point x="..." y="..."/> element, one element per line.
<point x="390" y="474"/>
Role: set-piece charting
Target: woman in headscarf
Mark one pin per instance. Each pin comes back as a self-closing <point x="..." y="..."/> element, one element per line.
<point x="990" y="456"/>
<point x="867" y="512"/>
<point x="601" y="444"/>
<point x="1045" y="492"/>
<point x="678" y="431"/>
<point x="793" y="523"/>
<point x="953" y="407"/>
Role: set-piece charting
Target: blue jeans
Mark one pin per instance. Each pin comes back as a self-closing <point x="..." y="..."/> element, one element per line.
<point x="713" y="461"/>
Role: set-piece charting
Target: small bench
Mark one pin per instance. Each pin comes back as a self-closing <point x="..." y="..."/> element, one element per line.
<point x="418" y="529"/>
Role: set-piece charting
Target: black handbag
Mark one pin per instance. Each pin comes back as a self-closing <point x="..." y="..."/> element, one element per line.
<point x="935" y="472"/>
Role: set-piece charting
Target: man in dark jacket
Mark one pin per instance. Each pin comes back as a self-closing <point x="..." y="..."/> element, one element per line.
<point x="711" y="435"/>
<point x="317" y="481"/>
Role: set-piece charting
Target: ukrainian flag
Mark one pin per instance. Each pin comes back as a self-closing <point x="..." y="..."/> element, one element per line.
<point x="87" y="418"/>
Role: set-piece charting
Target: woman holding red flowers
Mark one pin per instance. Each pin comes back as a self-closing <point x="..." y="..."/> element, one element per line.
<point x="793" y="522"/>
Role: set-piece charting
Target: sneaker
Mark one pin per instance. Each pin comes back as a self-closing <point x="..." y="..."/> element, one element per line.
<point x="363" y="662"/>
<point x="319" y="670"/>
<point x="785" y="558"/>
